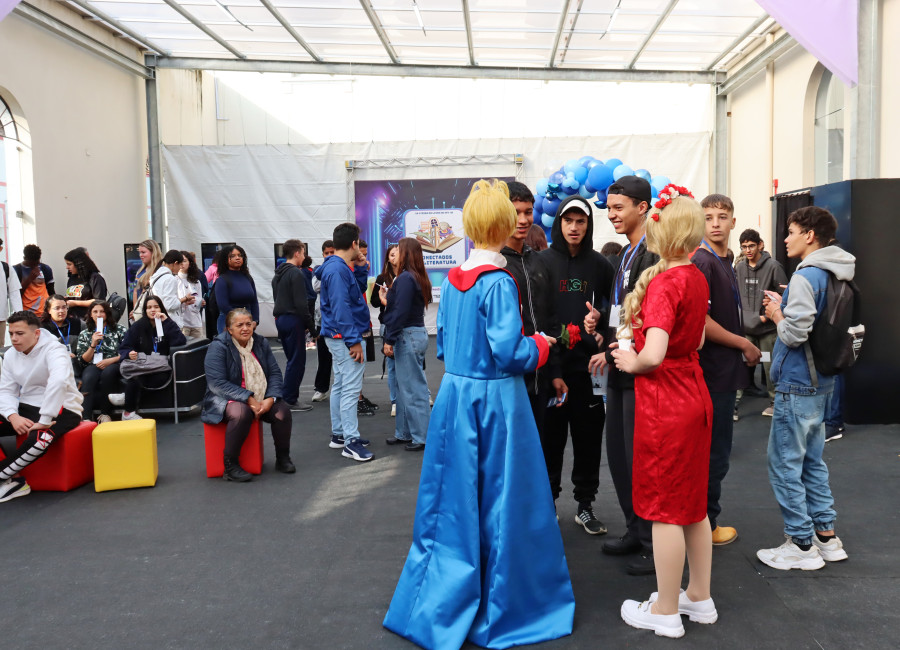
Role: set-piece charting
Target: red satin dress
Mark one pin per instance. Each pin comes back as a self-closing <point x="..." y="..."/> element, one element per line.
<point x="673" y="411"/>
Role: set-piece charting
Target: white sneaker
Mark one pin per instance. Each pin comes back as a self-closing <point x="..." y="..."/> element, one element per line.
<point x="832" y="550"/>
<point x="103" y="419"/>
<point x="790" y="556"/>
<point x="638" y="615"/>
<point x="320" y="397"/>
<point x="131" y="416"/>
<point x="701" y="611"/>
<point x="12" y="488"/>
<point x="116" y="399"/>
<point x="393" y="410"/>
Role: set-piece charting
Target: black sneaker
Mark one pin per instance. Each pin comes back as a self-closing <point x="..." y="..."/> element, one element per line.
<point x="372" y="405"/>
<point x="833" y="433"/>
<point x="363" y="409"/>
<point x="642" y="566"/>
<point x="591" y="524"/>
<point x="625" y="545"/>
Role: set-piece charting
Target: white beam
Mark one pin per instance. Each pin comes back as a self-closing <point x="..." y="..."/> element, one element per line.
<point x="659" y="22"/>
<point x="379" y="29"/>
<point x="203" y="28"/>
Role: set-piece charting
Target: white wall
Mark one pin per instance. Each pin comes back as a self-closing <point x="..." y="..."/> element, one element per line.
<point x="86" y="119"/>
<point x="890" y="89"/>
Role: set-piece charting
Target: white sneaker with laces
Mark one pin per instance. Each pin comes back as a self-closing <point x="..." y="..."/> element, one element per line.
<point x="320" y="397"/>
<point x="790" y="556"/>
<point x="103" y="419"/>
<point x="116" y="399"/>
<point x="701" y="611"/>
<point x="832" y="550"/>
<point x="638" y="615"/>
<point x="12" y="488"/>
<point x="131" y="416"/>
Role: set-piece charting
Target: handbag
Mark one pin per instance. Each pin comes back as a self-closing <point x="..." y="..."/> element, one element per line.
<point x="145" y="364"/>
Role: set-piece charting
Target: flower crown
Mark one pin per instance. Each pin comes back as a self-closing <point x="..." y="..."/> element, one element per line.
<point x="668" y="194"/>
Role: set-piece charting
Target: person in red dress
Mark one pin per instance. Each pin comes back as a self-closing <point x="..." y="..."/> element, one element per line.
<point x="673" y="416"/>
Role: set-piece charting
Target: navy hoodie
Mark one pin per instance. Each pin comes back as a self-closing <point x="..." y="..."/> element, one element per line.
<point x="575" y="280"/>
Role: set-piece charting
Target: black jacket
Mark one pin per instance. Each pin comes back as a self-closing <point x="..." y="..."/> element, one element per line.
<point x="529" y="269"/>
<point x="643" y="260"/>
<point x="289" y="290"/>
<point x="576" y="280"/>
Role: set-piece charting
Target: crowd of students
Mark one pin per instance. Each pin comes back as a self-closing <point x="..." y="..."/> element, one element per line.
<point x="652" y="343"/>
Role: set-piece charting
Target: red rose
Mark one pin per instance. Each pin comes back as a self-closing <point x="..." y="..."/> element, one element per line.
<point x="574" y="335"/>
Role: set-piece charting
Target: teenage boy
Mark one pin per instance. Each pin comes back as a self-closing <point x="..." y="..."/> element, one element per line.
<point x="291" y="313"/>
<point x="36" y="279"/>
<point x="578" y="274"/>
<point x="345" y="317"/>
<point x="757" y="273"/>
<point x="38" y="398"/>
<point x="628" y="200"/>
<point x="797" y="472"/>
<point x="720" y="357"/>
<point x="323" y="370"/>
<point x="536" y="300"/>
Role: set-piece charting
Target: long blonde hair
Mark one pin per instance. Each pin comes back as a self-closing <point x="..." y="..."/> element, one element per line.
<point x="673" y="232"/>
<point x="489" y="217"/>
<point x="156" y="256"/>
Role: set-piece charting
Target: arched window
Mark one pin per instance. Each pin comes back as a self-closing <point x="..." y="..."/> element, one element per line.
<point x="7" y="123"/>
<point x="829" y="130"/>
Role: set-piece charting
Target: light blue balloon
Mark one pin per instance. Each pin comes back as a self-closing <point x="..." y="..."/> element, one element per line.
<point x="659" y="182"/>
<point x="571" y="165"/>
<point x="542" y="185"/>
<point x="643" y="173"/>
<point x="612" y="163"/>
<point x="599" y="178"/>
<point x="585" y="192"/>
<point x="584" y="160"/>
<point x="622" y="170"/>
<point x="600" y="204"/>
<point x="547" y="220"/>
<point x="654" y="192"/>
<point x="581" y="175"/>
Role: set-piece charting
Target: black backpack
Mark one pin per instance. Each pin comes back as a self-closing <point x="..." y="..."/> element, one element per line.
<point x="118" y="305"/>
<point x="837" y="335"/>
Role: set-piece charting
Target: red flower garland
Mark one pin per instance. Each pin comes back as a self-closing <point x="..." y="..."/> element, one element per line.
<point x="668" y="194"/>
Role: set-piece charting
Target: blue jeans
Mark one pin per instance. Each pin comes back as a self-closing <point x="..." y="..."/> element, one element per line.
<point x="291" y="329"/>
<point x="798" y="475"/>
<point x="391" y="373"/>
<point x="348" y="380"/>
<point x="413" y="411"/>
<point x="834" y="416"/>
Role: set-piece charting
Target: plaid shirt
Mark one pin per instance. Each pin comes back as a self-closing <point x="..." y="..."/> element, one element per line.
<point x="109" y="347"/>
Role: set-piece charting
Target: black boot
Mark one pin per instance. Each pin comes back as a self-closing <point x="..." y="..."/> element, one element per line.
<point x="234" y="472"/>
<point x="283" y="463"/>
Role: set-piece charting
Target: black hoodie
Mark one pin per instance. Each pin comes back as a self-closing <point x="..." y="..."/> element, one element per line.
<point x="576" y="280"/>
<point x="289" y="291"/>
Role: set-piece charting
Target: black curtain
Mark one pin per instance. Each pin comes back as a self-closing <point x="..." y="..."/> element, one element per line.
<point x="784" y="205"/>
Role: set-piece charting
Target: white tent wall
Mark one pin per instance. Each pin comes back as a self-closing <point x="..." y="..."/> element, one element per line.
<point x="85" y="118"/>
<point x="259" y="195"/>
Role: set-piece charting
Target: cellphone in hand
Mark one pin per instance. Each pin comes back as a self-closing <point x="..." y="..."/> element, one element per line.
<point x="556" y="401"/>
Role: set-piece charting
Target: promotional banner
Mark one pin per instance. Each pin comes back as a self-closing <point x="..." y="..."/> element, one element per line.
<point x="429" y="210"/>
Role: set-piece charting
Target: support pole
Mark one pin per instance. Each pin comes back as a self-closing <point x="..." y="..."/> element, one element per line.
<point x="865" y="154"/>
<point x="157" y="209"/>
<point x="720" y="144"/>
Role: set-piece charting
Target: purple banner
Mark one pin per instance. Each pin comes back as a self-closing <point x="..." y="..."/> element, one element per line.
<point x="6" y="6"/>
<point x="826" y="28"/>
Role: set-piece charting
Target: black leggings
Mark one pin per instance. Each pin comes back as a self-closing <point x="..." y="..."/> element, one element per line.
<point x="37" y="442"/>
<point x="96" y="385"/>
<point x="239" y="417"/>
<point x="323" y="373"/>
<point x="134" y="385"/>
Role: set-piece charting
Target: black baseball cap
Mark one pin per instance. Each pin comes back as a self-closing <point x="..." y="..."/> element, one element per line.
<point x="632" y="186"/>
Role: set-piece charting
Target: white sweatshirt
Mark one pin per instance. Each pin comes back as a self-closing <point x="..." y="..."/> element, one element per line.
<point x="165" y="287"/>
<point x="42" y="378"/>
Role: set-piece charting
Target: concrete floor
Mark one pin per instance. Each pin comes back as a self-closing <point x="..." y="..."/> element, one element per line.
<point x="311" y="560"/>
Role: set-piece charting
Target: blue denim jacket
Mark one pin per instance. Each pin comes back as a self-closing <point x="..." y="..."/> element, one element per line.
<point x="790" y="367"/>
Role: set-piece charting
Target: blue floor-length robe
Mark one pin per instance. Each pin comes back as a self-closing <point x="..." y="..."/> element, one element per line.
<point x="487" y="563"/>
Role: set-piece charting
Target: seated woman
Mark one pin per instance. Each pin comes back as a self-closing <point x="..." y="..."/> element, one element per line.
<point x="57" y="321"/>
<point x="142" y="337"/>
<point x="244" y="383"/>
<point x="98" y="354"/>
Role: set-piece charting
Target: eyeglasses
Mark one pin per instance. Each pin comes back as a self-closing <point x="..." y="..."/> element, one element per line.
<point x="747" y="247"/>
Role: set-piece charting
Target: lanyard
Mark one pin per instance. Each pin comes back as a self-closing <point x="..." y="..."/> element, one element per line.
<point x="65" y="339"/>
<point x="730" y="273"/>
<point x="625" y="265"/>
<point x="155" y="344"/>
<point x="97" y="349"/>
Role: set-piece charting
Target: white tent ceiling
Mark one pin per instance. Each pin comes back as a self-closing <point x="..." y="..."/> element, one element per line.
<point x="674" y="35"/>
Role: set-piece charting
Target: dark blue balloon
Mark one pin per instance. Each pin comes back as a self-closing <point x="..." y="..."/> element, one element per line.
<point x="599" y="178"/>
<point x="538" y="207"/>
<point x="600" y="204"/>
<point x="568" y="190"/>
<point x="549" y="207"/>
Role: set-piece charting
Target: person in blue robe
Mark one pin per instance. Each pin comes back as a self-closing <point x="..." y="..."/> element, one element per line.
<point x="487" y="563"/>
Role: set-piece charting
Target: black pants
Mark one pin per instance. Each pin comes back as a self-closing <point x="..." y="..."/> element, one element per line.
<point x="96" y="385"/>
<point x="37" y="442"/>
<point x="323" y="374"/>
<point x="134" y="385"/>
<point x="538" y="401"/>
<point x="620" y="456"/>
<point x="720" y="450"/>
<point x="583" y="416"/>
<point x="239" y="417"/>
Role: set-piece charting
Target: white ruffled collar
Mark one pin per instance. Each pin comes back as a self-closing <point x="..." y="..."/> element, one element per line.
<point x="483" y="257"/>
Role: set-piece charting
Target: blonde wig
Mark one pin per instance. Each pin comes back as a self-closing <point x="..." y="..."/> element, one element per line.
<point x="672" y="232"/>
<point x="489" y="217"/>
